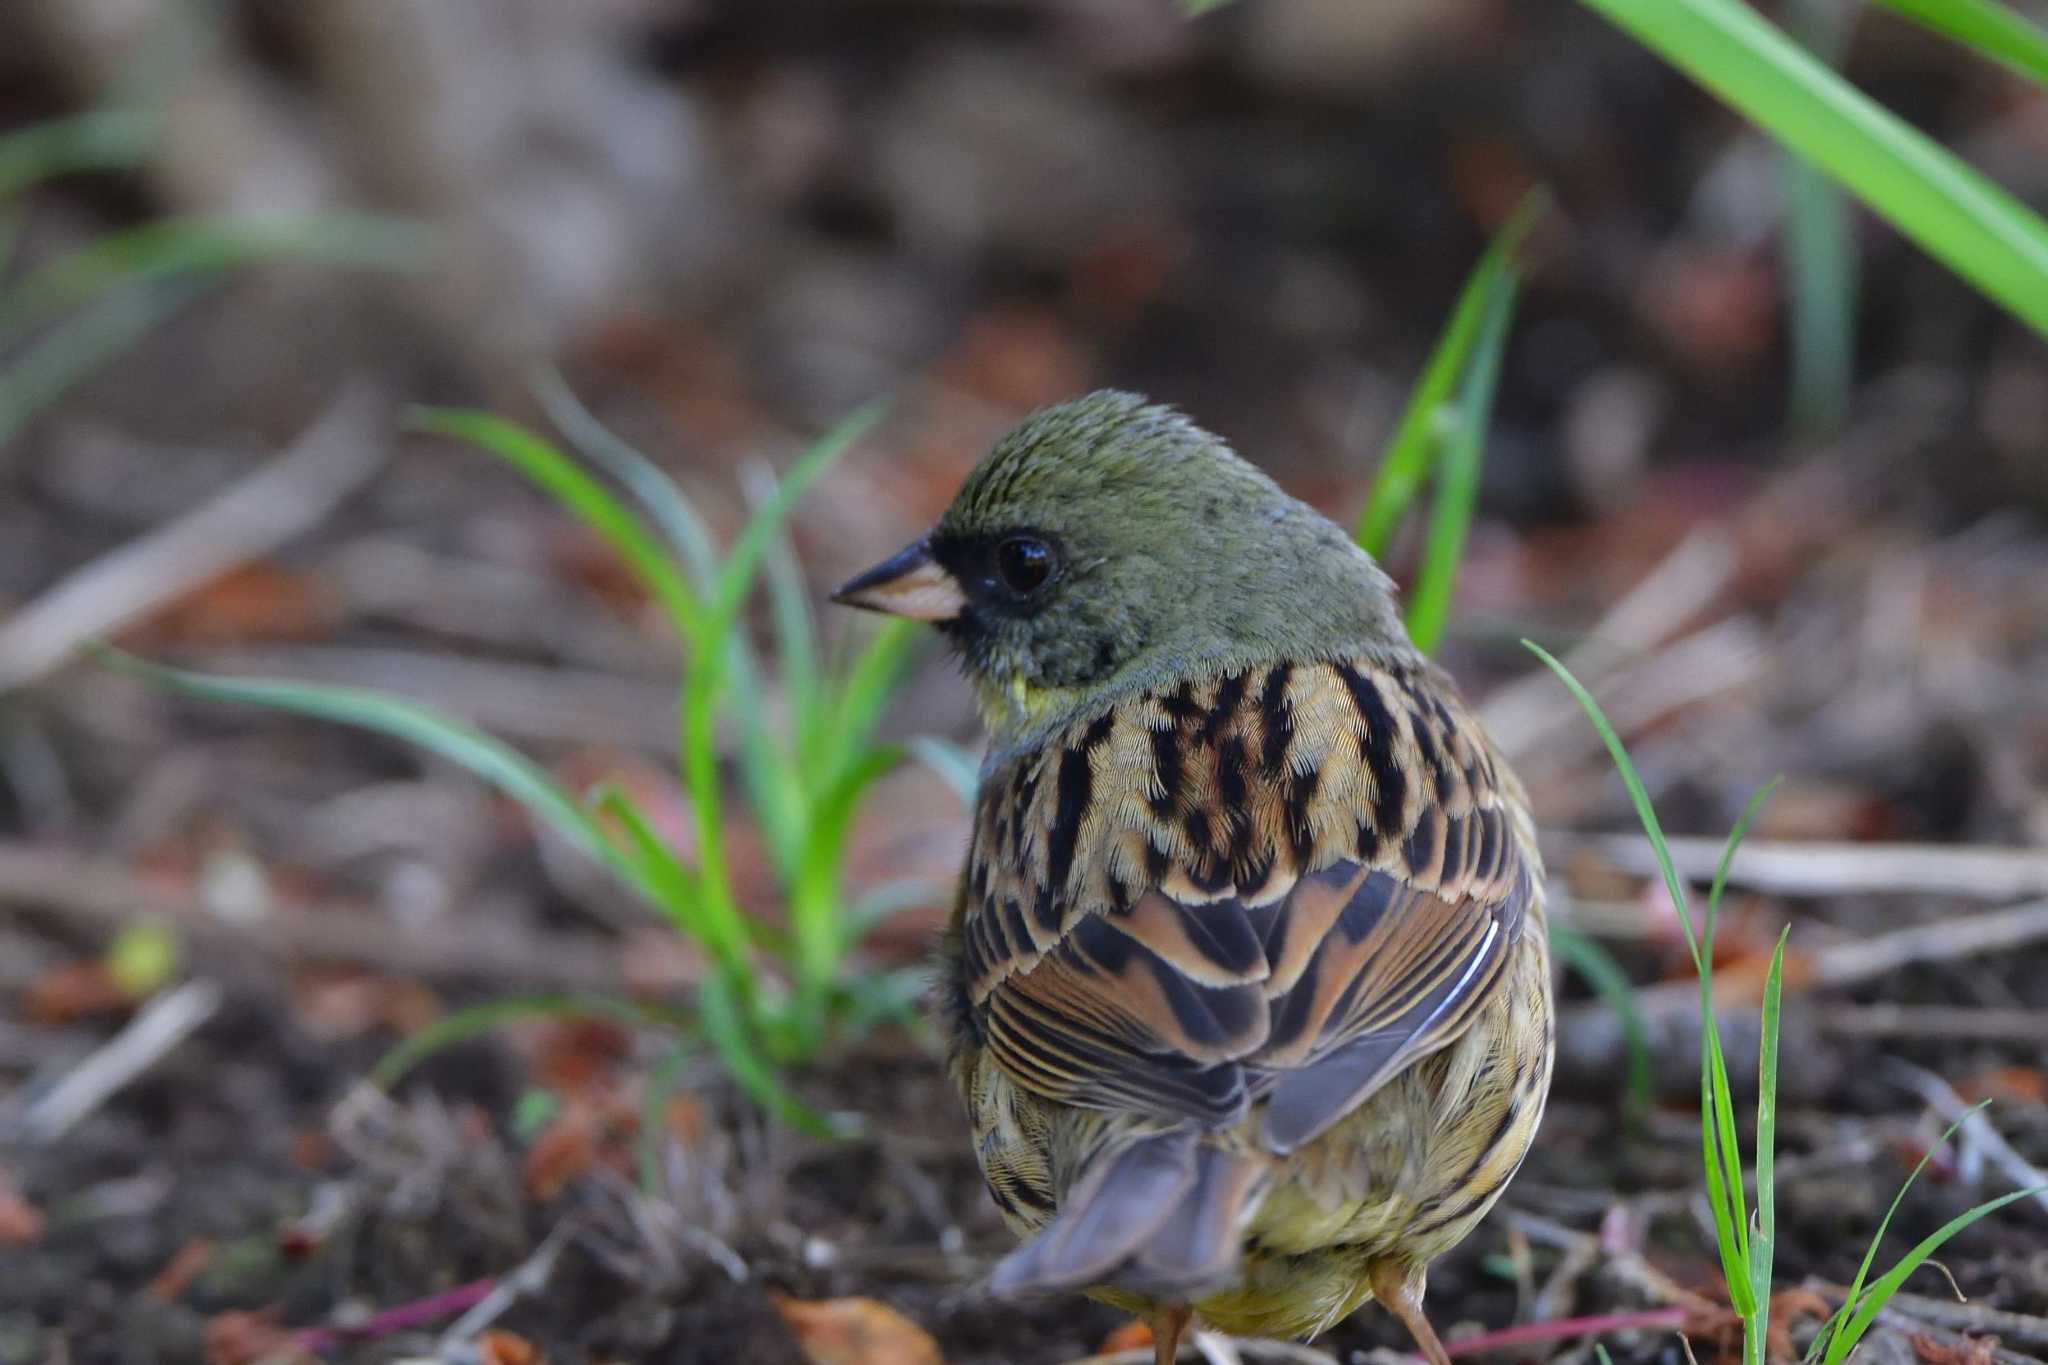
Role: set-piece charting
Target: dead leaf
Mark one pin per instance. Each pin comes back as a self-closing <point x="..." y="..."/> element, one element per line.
<point x="21" y="1223"/>
<point x="312" y="1149"/>
<point x="255" y="603"/>
<point x="1968" y="1351"/>
<point x="242" y="1338"/>
<point x="565" y="1151"/>
<point x="1129" y="1337"/>
<point x="1787" y="1307"/>
<point x="857" y="1332"/>
<point x="75" y="991"/>
<point x="579" y="1055"/>
<point x="186" y="1266"/>
<point x="341" y="1004"/>
<point x="2013" y="1084"/>
<point x="498" y="1347"/>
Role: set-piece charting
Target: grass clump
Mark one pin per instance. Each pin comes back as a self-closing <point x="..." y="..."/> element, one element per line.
<point x="1745" y="1234"/>
<point x="775" y="994"/>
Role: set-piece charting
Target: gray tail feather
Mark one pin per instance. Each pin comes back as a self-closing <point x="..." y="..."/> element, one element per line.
<point x="1161" y="1217"/>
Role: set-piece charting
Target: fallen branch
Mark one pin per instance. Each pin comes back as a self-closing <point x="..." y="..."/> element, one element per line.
<point x="1526" y="713"/>
<point x="333" y="458"/>
<point x="1965" y="1022"/>
<point x="105" y="898"/>
<point x="1848" y="963"/>
<point x="524" y="701"/>
<point x="1829" y="869"/>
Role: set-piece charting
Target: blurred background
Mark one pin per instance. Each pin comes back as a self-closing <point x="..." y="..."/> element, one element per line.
<point x="729" y="225"/>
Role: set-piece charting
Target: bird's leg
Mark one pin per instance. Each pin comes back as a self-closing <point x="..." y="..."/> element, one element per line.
<point x="1167" y="1326"/>
<point x="1399" y="1291"/>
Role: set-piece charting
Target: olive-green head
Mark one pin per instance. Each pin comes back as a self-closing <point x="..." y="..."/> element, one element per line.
<point x="1107" y="545"/>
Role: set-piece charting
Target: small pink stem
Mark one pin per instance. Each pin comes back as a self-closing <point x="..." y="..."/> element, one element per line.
<point x="433" y="1308"/>
<point x="1565" y="1327"/>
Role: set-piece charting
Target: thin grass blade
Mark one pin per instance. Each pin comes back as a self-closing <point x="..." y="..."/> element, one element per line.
<point x="490" y="759"/>
<point x="1880" y="1293"/>
<point x="1638" y="796"/>
<point x="46" y="371"/>
<point x="1955" y="213"/>
<point x="737" y="577"/>
<point x="1604" y="975"/>
<point x="673" y="514"/>
<point x="1417" y="437"/>
<point x="674" y="888"/>
<point x="477" y="1020"/>
<point x="871" y="680"/>
<point x="1840" y="1320"/>
<point x="183" y="246"/>
<point x="102" y="140"/>
<point x="1991" y="30"/>
<point x="1457" y="493"/>
<point x="1764" y="1240"/>
<point x="726" y="1026"/>
<point x="576" y="490"/>
<point x="1821" y="256"/>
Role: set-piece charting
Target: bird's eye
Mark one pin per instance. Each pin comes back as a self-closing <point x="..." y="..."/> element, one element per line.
<point x="1024" y="563"/>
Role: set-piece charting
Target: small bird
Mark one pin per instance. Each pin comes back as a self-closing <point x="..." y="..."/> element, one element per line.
<point x="1247" y="988"/>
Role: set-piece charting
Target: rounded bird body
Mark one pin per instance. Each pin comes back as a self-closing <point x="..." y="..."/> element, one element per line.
<point x="1247" y="988"/>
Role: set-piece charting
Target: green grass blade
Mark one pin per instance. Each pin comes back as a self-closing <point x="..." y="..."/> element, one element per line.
<point x="1724" y="1183"/>
<point x="1457" y="493"/>
<point x="872" y="680"/>
<point x="102" y="140"/>
<point x="667" y="1078"/>
<point x="1720" y="1150"/>
<point x="726" y="1026"/>
<point x="1610" y="984"/>
<point x="1992" y="30"/>
<point x="1880" y="1293"/>
<point x="1955" y="213"/>
<point x="772" y="776"/>
<point x="1413" y="448"/>
<point x="737" y="577"/>
<point x="1750" y="812"/>
<point x="583" y="495"/>
<point x="478" y="1020"/>
<point x="674" y="889"/>
<point x="672" y="514"/>
<point x="1821" y="258"/>
<point x="46" y="371"/>
<point x="490" y="759"/>
<point x="1640" y="798"/>
<point x="1764" y="1240"/>
<point x="795" y="629"/>
<point x="1835" y="1325"/>
<point x="183" y="246"/>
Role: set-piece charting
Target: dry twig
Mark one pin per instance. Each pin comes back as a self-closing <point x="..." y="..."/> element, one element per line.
<point x="147" y="1039"/>
<point x="1975" y="1127"/>
<point x="333" y="458"/>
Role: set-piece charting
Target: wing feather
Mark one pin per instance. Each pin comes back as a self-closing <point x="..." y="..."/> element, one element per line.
<point x="1281" y="887"/>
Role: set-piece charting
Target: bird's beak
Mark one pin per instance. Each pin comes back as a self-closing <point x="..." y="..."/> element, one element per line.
<point x="909" y="583"/>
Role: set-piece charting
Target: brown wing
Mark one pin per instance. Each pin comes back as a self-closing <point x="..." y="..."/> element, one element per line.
<point x="1286" y="884"/>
